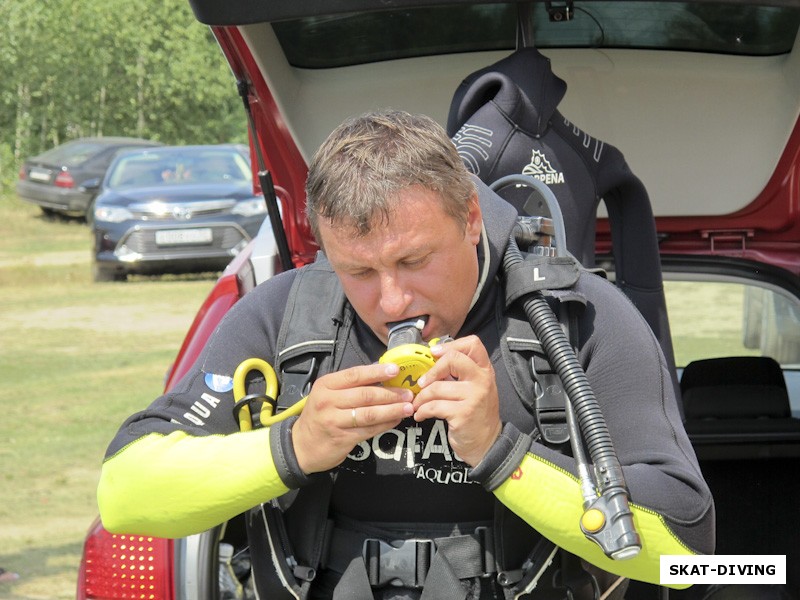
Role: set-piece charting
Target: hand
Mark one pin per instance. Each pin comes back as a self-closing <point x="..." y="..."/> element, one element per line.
<point x="343" y="409"/>
<point x="461" y="389"/>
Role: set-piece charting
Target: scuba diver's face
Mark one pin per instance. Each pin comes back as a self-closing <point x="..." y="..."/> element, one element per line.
<point x="420" y="262"/>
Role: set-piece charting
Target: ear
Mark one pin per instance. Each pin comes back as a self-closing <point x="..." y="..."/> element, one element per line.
<point x="474" y="220"/>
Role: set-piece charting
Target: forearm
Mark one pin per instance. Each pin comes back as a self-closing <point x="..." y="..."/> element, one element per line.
<point x="177" y="484"/>
<point x="548" y="497"/>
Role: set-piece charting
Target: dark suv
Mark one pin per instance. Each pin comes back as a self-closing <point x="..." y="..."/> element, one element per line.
<point x="703" y="101"/>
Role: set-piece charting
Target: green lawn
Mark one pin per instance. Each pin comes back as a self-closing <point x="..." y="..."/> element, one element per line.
<point x="706" y="320"/>
<point x="76" y="358"/>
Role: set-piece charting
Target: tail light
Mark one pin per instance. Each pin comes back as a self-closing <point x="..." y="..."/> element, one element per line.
<point x="22" y="174"/>
<point x="64" y="180"/>
<point x="129" y="567"/>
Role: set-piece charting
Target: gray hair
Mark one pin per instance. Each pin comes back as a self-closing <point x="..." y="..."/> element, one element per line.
<point x="356" y="175"/>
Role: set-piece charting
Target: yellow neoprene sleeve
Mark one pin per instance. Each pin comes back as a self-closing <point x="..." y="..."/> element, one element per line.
<point x="549" y="499"/>
<point x="177" y="485"/>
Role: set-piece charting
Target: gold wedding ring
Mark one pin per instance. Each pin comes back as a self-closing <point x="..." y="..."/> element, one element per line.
<point x="353" y="414"/>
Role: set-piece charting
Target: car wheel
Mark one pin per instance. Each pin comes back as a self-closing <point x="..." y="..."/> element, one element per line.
<point x="752" y="315"/>
<point x="103" y="275"/>
<point x="89" y="214"/>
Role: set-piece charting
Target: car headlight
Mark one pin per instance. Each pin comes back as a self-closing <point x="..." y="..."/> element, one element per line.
<point x="250" y="208"/>
<point x="112" y="214"/>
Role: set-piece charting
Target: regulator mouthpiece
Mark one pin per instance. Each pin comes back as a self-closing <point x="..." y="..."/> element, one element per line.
<point x="406" y="332"/>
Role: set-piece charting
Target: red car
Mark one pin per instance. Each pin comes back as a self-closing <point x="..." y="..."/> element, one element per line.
<point x="701" y="99"/>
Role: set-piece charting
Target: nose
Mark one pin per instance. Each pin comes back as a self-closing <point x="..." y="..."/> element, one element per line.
<point x="394" y="298"/>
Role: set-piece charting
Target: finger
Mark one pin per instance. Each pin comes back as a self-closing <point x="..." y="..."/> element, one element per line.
<point x="443" y="399"/>
<point x="375" y="418"/>
<point x="470" y="346"/>
<point x="363" y="375"/>
<point x="454" y="364"/>
<point x="372" y="395"/>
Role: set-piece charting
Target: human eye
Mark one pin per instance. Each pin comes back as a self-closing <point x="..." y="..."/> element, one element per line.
<point x="416" y="262"/>
<point x="360" y="274"/>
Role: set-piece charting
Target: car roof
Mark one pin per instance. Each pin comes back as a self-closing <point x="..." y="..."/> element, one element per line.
<point x="190" y="148"/>
<point x="74" y="152"/>
<point x="111" y="140"/>
<point x="243" y="12"/>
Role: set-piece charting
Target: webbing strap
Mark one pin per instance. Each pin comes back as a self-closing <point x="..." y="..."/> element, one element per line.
<point x="354" y="584"/>
<point x="436" y="566"/>
<point x="311" y="337"/>
<point x="441" y="582"/>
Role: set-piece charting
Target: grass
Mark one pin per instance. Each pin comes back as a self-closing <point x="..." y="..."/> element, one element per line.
<point x="706" y="320"/>
<point x="76" y="358"/>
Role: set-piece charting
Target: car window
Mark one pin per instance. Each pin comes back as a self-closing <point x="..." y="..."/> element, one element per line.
<point x="314" y="42"/>
<point x="710" y="319"/>
<point x="211" y="167"/>
<point x="102" y="159"/>
<point x="167" y="168"/>
<point x="72" y="153"/>
<point x="732" y="318"/>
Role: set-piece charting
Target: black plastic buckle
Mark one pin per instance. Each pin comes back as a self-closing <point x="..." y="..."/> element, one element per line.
<point x="551" y="412"/>
<point x="403" y="565"/>
<point x="296" y="381"/>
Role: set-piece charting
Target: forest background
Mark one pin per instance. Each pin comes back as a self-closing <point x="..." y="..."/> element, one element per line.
<point x="142" y="68"/>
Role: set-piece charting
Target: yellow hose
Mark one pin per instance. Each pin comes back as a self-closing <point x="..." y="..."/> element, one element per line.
<point x="271" y="379"/>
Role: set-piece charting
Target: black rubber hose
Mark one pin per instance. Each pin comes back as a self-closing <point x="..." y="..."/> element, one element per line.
<point x="559" y="351"/>
<point x="617" y="535"/>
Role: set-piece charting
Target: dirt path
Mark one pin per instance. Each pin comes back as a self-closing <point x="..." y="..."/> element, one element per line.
<point x="155" y="318"/>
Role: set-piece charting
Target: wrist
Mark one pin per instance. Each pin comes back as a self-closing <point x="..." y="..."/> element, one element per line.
<point x="281" y="441"/>
<point x="502" y="458"/>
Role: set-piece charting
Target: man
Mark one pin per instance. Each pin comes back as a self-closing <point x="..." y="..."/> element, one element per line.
<point x="408" y="234"/>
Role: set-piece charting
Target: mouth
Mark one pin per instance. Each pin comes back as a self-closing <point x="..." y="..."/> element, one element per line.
<point x="419" y="322"/>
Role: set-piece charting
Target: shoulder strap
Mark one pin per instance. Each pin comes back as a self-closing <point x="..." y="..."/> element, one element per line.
<point x="313" y="333"/>
<point x="287" y="534"/>
<point x="535" y="379"/>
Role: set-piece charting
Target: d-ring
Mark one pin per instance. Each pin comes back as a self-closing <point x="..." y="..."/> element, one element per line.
<point x="353" y="414"/>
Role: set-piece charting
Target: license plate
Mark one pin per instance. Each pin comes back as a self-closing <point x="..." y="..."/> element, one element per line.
<point x="39" y="174"/>
<point x="177" y="237"/>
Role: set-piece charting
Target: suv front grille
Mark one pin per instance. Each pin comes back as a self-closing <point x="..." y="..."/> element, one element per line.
<point x="143" y="241"/>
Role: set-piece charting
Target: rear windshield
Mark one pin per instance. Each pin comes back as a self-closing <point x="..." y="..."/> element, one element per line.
<point x="317" y="42"/>
<point x="72" y="153"/>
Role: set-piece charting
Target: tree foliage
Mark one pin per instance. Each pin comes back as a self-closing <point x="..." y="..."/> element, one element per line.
<point x="144" y="68"/>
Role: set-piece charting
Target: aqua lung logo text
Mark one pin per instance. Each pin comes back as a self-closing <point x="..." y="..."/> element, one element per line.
<point x="200" y="410"/>
<point x="412" y="449"/>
